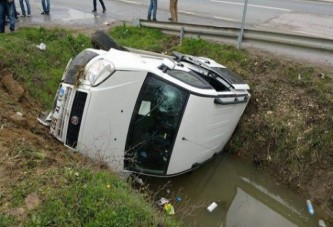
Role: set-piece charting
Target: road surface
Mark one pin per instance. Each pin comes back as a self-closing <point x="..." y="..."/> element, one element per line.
<point x="299" y="16"/>
<point x="313" y="18"/>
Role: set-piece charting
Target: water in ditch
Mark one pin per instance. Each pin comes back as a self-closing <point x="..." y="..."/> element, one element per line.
<point x="245" y="196"/>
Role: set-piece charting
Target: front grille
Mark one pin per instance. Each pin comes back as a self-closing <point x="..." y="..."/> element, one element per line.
<point x="75" y="119"/>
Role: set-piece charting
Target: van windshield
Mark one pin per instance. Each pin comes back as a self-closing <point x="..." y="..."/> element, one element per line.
<point x="154" y="126"/>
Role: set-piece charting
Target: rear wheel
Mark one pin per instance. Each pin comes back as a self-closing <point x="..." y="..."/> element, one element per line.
<point x="101" y="40"/>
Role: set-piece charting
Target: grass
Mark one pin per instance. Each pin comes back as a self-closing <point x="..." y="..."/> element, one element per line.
<point x="73" y="193"/>
<point x="287" y="125"/>
<point x="93" y="199"/>
<point x="154" y="40"/>
<point x="40" y="71"/>
<point x="142" y="38"/>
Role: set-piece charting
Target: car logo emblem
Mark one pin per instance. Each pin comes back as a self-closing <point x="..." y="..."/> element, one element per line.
<point x="75" y="120"/>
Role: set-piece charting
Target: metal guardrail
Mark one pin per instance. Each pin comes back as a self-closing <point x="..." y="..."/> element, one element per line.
<point x="250" y="35"/>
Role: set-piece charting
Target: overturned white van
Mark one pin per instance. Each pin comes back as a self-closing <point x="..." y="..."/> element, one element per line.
<point x="146" y="113"/>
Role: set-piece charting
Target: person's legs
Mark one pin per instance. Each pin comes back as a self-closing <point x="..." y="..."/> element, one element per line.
<point x="172" y="10"/>
<point x="2" y="16"/>
<point x="15" y="11"/>
<point x="95" y="6"/>
<point x="48" y="7"/>
<point x="170" y="7"/>
<point x="44" y="7"/>
<point x="11" y="15"/>
<point x="103" y="6"/>
<point x="27" y="2"/>
<point x="154" y="9"/>
<point x="150" y="8"/>
<point x="22" y="8"/>
<point x="176" y="10"/>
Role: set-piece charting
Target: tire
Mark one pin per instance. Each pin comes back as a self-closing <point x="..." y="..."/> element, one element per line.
<point x="102" y="41"/>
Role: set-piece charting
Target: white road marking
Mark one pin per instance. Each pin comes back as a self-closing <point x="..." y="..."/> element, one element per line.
<point x="224" y="18"/>
<point x="131" y="2"/>
<point x="251" y="5"/>
<point x="190" y="13"/>
<point x="315" y="2"/>
<point x="201" y="15"/>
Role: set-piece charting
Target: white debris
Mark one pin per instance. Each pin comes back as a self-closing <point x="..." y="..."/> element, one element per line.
<point x="41" y="46"/>
<point x="212" y="207"/>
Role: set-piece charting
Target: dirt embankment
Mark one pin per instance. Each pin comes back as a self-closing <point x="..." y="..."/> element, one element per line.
<point x="287" y="126"/>
<point x="19" y="133"/>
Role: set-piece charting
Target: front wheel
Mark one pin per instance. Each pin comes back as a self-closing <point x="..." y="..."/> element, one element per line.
<point x="102" y="41"/>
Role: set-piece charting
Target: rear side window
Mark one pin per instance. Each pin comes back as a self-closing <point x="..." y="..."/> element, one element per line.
<point x="229" y="76"/>
<point x="190" y="78"/>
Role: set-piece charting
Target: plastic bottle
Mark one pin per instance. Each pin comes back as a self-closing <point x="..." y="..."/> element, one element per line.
<point x="310" y="207"/>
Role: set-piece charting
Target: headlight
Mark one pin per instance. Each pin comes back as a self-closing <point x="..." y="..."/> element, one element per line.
<point x="98" y="71"/>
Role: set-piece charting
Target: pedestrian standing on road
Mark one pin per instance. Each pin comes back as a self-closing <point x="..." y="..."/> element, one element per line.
<point x="95" y="6"/>
<point x="152" y="9"/>
<point x="2" y="15"/>
<point x="173" y="10"/>
<point x="16" y="14"/>
<point x="27" y="2"/>
<point x="7" y="7"/>
<point x="46" y="7"/>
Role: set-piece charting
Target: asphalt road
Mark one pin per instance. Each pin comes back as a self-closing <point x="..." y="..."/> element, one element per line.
<point x="313" y="18"/>
<point x="305" y="17"/>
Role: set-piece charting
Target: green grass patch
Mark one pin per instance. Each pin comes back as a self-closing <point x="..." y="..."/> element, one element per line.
<point x="154" y="40"/>
<point x="70" y="191"/>
<point x="40" y="71"/>
<point x="142" y="38"/>
<point x="7" y="220"/>
<point x="88" y="198"/>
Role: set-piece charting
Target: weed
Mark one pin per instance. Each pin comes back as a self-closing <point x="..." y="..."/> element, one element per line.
<point x="40" y="71"/>
<point x="91" y="199"/>
<point x="143" y="38"/>
<point x="7" y="220"/>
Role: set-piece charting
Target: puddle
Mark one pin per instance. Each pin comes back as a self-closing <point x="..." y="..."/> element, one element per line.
<point x="245" y="196"/>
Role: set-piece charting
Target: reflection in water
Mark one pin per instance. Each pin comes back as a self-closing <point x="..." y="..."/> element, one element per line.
<point x="245" y="208"/>
<point x="245" y="197"/>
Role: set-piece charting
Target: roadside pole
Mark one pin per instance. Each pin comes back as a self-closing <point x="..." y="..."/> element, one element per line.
<point x="240" y="35"/>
